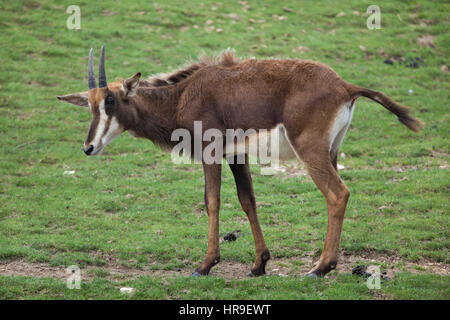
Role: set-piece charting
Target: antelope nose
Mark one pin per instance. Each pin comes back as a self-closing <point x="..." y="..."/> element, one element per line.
<point x="89" y="150"/>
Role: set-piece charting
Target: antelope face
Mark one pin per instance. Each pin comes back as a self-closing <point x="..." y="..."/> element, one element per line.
<point x="105" y="126"/>
<point x="105" y="104"/>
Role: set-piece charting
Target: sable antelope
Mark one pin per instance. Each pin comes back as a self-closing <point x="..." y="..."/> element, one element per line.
<point x="312" y="103"/>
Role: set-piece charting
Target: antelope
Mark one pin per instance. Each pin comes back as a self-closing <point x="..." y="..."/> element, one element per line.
<point x="308" y="99"/>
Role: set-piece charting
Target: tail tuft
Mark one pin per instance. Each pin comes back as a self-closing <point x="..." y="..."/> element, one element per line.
<point x="412" y="123"/>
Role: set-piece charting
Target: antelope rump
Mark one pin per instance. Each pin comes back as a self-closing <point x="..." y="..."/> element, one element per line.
<point x="312" y="104"/>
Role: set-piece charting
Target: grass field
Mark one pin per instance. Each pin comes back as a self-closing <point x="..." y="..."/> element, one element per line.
<point x="132" y="218"/>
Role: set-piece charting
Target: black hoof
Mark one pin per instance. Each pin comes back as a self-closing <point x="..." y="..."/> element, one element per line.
<point x="261" y="270"/>
<point x="196" y="274"/>
<point x="258" y="273"/>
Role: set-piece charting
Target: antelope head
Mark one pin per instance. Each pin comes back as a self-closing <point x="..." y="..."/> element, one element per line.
<point x="105" y="103"/>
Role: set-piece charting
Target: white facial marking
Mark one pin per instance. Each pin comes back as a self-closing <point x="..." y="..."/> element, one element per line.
<point x="102" y="138"/>
<point x="100" y="128"/>
<point x="114" y="131"/>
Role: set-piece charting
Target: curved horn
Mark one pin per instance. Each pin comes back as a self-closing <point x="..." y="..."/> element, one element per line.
<point x="101" y="70"/>
<point x="91" y="75"/>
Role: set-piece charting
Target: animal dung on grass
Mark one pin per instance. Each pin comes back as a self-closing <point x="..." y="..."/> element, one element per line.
<point x="369" y="271"/>
<point x="232" y="236"/>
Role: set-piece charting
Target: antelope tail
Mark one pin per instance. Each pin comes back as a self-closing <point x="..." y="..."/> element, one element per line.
<point x="402" y="112"/>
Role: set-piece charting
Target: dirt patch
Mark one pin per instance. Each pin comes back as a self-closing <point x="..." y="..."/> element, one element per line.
<point x="110" y="271"/>
<point x="290" y="169"/>
<point x="405" y="168"/>
<point x="347" y="261"/>
<point x="298" y="169"/>
<point x="23" y="268"/>
<point x="115" y="272"/>
<point x="294" y="266"/>
<point x="426" y="41"/>
<point x="393" y="264"/>
<point x="231" y="270"/>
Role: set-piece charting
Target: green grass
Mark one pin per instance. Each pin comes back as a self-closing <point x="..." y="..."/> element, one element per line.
<point x="344" y="286"/>
<point x="135" y="206"/>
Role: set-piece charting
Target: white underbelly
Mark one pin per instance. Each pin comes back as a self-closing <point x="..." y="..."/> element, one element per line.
<point x="263" y="144"/>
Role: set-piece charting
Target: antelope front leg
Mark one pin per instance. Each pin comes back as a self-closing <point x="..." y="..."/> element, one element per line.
<point x="241" y="173"/>
<point x="212" y="199"/>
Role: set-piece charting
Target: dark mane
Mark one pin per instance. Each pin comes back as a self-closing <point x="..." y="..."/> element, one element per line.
<point x="176" y="76"/>
<point x="226" y="59"/>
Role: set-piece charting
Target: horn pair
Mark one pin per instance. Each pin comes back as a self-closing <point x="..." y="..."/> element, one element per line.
<point x="101" y="70"/>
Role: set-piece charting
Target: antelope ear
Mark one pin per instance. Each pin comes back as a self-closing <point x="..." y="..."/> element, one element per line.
<point x="78" y="99"/>
<point x="130" y="85"/>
